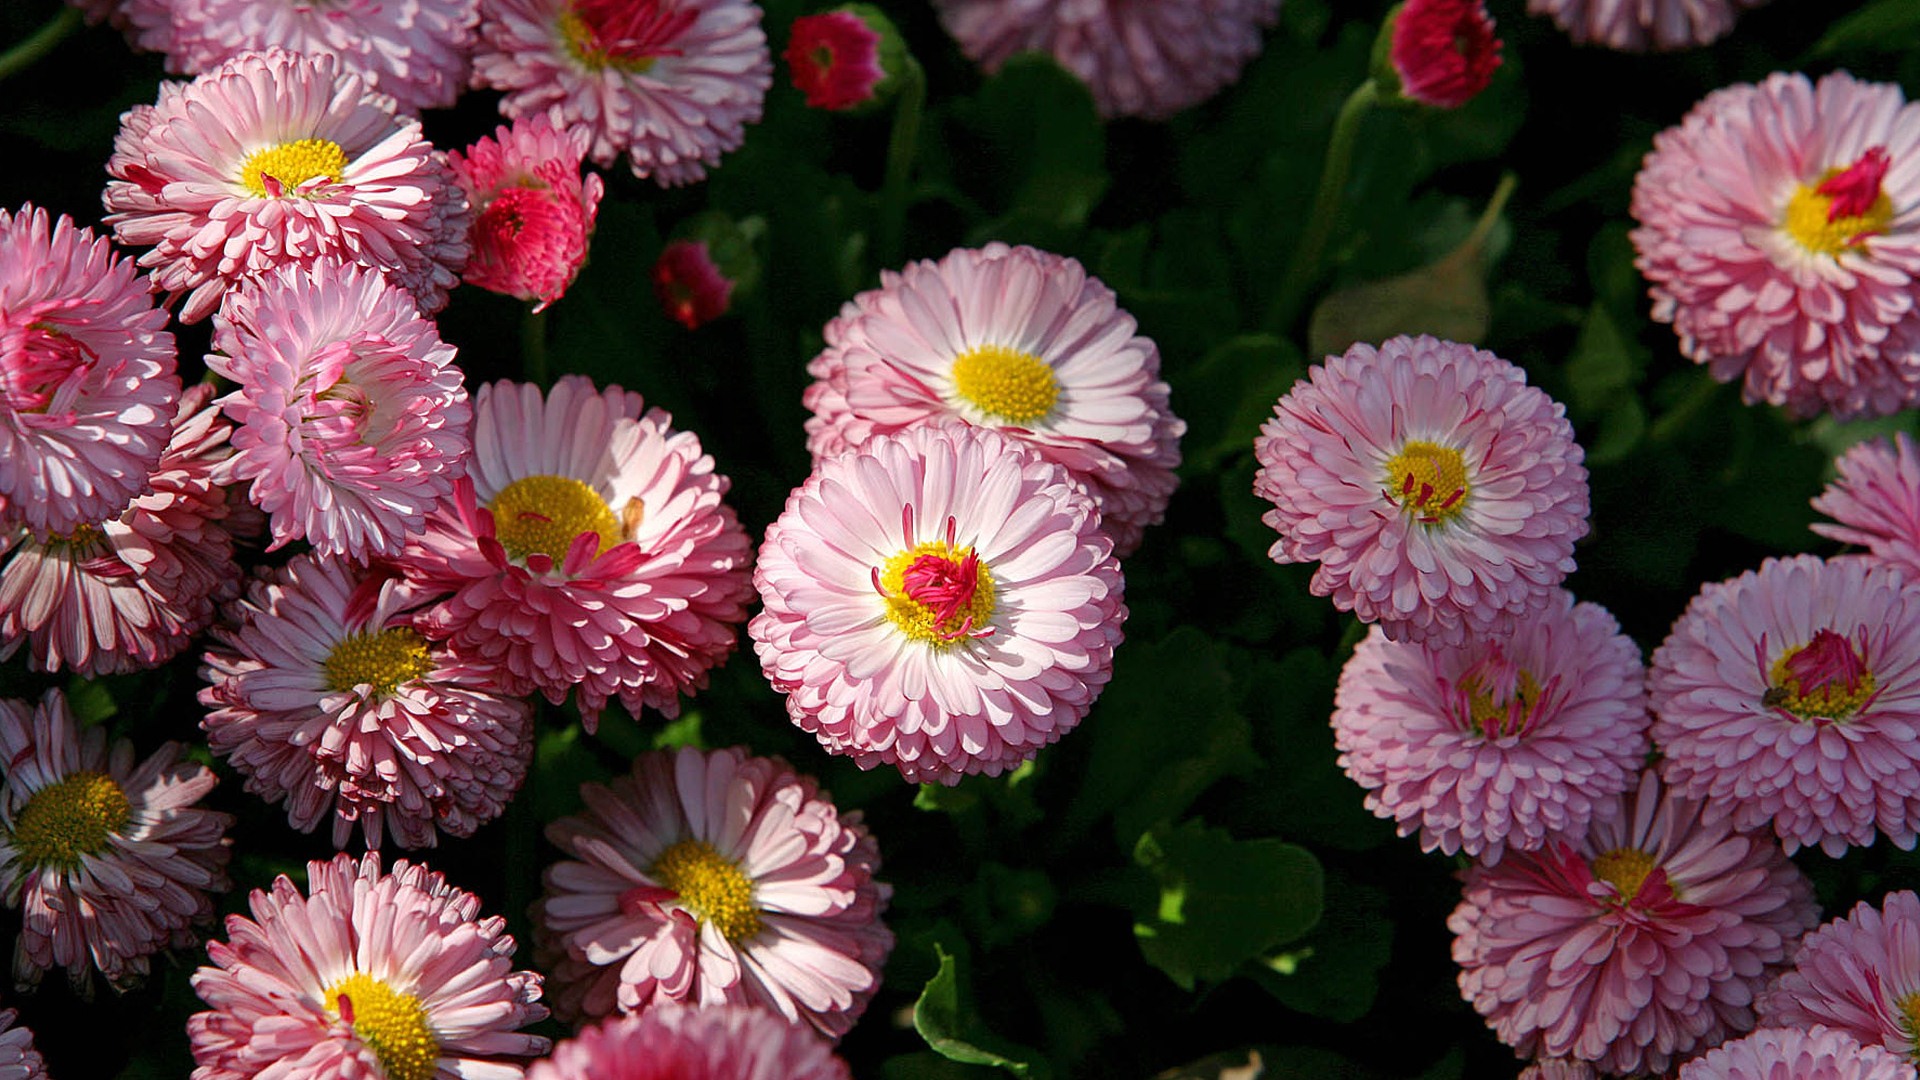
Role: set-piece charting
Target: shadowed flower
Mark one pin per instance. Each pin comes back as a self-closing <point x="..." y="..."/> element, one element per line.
<point x="1875" y="502"/>
<point x="18" y="1059"/>
<point x="533" y="210"/>
<point x="1859" y="974"/>
<point x="691" y="288"/>
<point x="148" y="24"/>
<point x="673" y="1042"/>
<point x="1443" y="52"/>
<point x="1639" y="25"/>
<point x="1817" y="1053"/>
<point x="836" y="57"/>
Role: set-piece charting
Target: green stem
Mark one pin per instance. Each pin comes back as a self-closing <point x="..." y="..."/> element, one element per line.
<point x="533" y="347"/>
<point x="1490" y="217"/>
<point x="1305" y="268"/>
<point x="901" y="147"/>
<point x="39" y="43"/>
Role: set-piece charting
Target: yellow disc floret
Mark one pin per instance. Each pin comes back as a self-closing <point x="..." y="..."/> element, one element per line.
<point x="937" y="593"/>
<point x="1626" y="869"/>
<point x="291" y="164"/>
<point x="1015" y="386"/>
<point x="1428" y="481"/>
<point x="391" y="1024"/>
<point x="1826" y="679"/>
<point x="1810" y="221"/>
<point x="382" y="659"/>
<point x="715" y="890"/>
<point x="69" y="819"/>
<point x="1494" y="715"/>
<point x="542" y="514"/>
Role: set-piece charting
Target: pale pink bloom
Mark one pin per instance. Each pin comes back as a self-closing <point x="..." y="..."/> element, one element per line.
<point x="1875" y="502"/>
<point x="128" y="592"/>
<point x="1014" y="339"/>
<point x="533" y="211"/>
<point x="690" y="286"/>
<point x="1139" y="59"/>
<point x="148" y="24"/>
<point x="273" y="159"/>
<point x="1495" y="745"/>
<point x="713" y="877"/>
<point x="1778" y="1053"/>
<point x="87" y="383"/>
<point x="1443" y="51"/>
<point x="1775" y="233"/>
<point x="369" y="976"/>
<point x="1860" y="974"/>
<point x="833" y="58"/>
<point x="328" y="699"/>
<point x="1440" y="494"/>
<point x="18" y="1059"/>
<point x="1634" y="945"/>
<point x="941" y="600"/>
<point x="671" y="1041"/>
<point x="1790" y="697"/>
<point x="416" y="50"/>
<point x="351" y="418"/>
<point x="672" y="84"/>
<point x="587" y="547"/>
<point x="109" y="861"/>
<point x="1639" y="25"/>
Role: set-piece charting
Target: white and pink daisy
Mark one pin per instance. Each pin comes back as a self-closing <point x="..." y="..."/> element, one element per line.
<point x="1015" y="339"/>
<point x="1639" y="25"/>
<point x="1859" y="974"/>
<point x="671" y="1041"/>
<point x="109" y="861"/>
<point x="1440" y="494"/>
<point x="129" y="592"/>
<point x="1140" y="59"/>
<point x="1495" y="745"/>
<point x="327" y="699"/>
<point x="588" y="548"/>
<point x="712" y="877"/>
<point x="1443" y="52"/>
<point x="1790" y="696"/>
<point x="941" y="600"/>
<point x="533" y="211"/>
<point x="1777" y="1053"/>
<point x="274" y="159"/>
<point x="1875" y="502"/>
<point x="392" y="976"/>
<point x="1777" y="232"/>
<point x="18" y="1059"/>
<point x="1634" y="945"/>
<point x="351" y="418"/>
<point x="87" y="383"/>
<point x="672" y="84"/>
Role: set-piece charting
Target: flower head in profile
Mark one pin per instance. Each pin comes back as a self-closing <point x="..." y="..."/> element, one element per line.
<point x="18" y="1059"/>
<point x="671" y="1041"/>
<point x="1860" y="975"/>
<point x="1640" y="25"/>
<point x="533" y="211"/>
<point x="844" y="59"/>
<point x="1779" y="1053"/>
<point x="1875" y="502"/>
<point x="691" y="287"/>
<point x="1442" y="52"/>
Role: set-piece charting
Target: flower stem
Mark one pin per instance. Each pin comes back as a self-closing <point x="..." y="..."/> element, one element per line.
<point x="901" y="146"/>
<point x="533" y="348"/>
<point x="39" y="43"/>
<point x="1304" y="270"/>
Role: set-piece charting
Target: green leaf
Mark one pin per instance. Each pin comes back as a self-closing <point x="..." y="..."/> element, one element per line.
<point x="90" y="701"/>
<point x="1048" y="146"/>
<point x="1230" y="393"/>
<point x="944" y="1017"/>
<point x="1886" y="26"/>
<point x="1222" y="901"/>
<point x="1334" y="973"/>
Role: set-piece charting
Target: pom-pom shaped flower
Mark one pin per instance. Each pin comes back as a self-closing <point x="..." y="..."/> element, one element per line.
<point x="1791" y="696"/>
<point x="352" y="418"/>
<point x="1442" y="52"/>
<point x="1634" y="945"/>
<point x="671" y="1041"/>
<point x="129" y="592"/>
<point x="586" y="547"/>
<point x="1495" y="744"/>
<point x="389" y="975"/>
<point x="1875" y="502"/>
<point x="274" y="159"/>
<point x="18" y="1059"/>
<point x="1776" y="1053"/>
<point x="1440" y="494"/>
<point x="691" y="287"/>
<point x="1014" y="339"/>
<point x="1639" y="25"/>
<point x="108" y="861"/>
<point x="941" y="600"/>
<point x="329" y="700"/>
<point x="840" y="59"/>
<point x="1771" y="231"/>
<point x="1149" y="60"/>
<point x="1859" y="974"/>
<point x="672" y="84"/>
<point x="533" y="211"/>
<point x="87" y="383"/>
<point x="710" y="878"/>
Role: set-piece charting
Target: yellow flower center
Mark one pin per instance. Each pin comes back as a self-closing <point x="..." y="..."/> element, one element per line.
<point x="1809" y="220"/>
<point x="1428" y="481"/>
<point x="1626" y="869"/>
<point x="1825" y="679"/>
<point x="292" y="164"/>
<point x="544" y="513"/>
<point x="1015" y="386"/>
<point x="82" y="536"/>
<point x="391" y="1024"/>
<point x="382" y="659"/>
<point x="715" y="890"/>
<point x="69" y="819"/>
<point x="1495" y="716"/>
<point x="936" y="593"/>
<point x="1908" y="1006"/>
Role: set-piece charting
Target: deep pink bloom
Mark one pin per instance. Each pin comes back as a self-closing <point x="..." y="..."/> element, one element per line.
<point x="1634" y="945"/>
<point x="533" y="211"/>
<point x="18" y="1059"/>
<point x="1875" y="502"/>
<point x="1443" y="51"/>
<point x="109" y="861"/>
<point x="1778" y="1053"/>
<point x="834" y="58"/>
<point x="692" y="289"/>
<point x="1495" y="745"/>
<point x="1860" y="974"/>
<point x="671" y="1041"/>
<point x="713" y="877"/>
<point x="1639" y="25"/>
<point x="87" y="383"/>
<point x="369" y="976"/>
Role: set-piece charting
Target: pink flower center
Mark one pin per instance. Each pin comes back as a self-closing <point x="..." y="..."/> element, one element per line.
<point x="1502" y="699"/>
<point x="37" y="362"/>
<point x="1427" y="481"/>
<point x="1626" y="869"/>
<point x="935" y="592"/>
<point x="1826" y="679"/>
<point x="1844" y="208"/>
<point x="624" y="34"/>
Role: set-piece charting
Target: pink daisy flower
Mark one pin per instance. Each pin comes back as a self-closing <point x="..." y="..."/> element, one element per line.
<point x="274" y="159"/>
<point x="129" y="592"/>
<point x="325" y="696"/>
<point x="533" y="210"/>
<point x="1014" y="339"/>
<point x="672" y="84"/>
<point x="1139" y="59"/>
<point x="587" y="547"/>
<point x="87" y="383"/>
<point x="1443" y="52"/>
<point x="1634" y="945"/>
<point x="1859" y="974"/>
<point x="1875" y="502"/>
<point x="941" y="600"/>
<point x="1440" y="494"/>
<point x="673" y="1042"/>
<point x="1495" y="744"/>
<point x="1774" y="234"/>
<point x="1817" y="1053"/>
<point x="351" y="416"/>
<point x="1559" y="1069"/>
<point x="18" y="1059"/>
<point x="834" y="57"/>
<point x="712" y="877"/>
<point x="690" y="286"/>
<point x="1791" y="697"/>
<point x="108" y="861"/>
<point x="147" y="24"/>
<point x="369" y="975"/>
<point x="1639" y="25"/>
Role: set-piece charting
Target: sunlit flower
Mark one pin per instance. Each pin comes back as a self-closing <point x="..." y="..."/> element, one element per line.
<point x="1817" y="1053"/>
<point x="671" y="1041"/>
<point x="1875" y="502"/>
<point x="1639" y="25"/>
<point x="1859" y="974"/>
<point x="1443" y="52"/>
<point x="690" y="286"/>
<point x="533" y="211"/>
